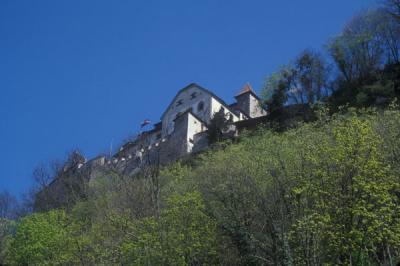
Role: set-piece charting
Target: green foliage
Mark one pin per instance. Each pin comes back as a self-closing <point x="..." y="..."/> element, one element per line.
<point x="303" y="82"/>
<point x="324" y="193"/>
<point x="291" y="93"/>
<point x="365" y="53"/>
<point x="274" y="91"/>
<point x="6" y="229"/>
<point x="176" y="178"/>
<point x="348" y="199"/>
<point x="357" y="52"/>
<point x="183" y="235"/>
<point x="366" y="57"/>
<point x="40" y="239"/>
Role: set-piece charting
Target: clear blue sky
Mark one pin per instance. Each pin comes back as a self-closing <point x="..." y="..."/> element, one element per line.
<point x="77" y="74"/>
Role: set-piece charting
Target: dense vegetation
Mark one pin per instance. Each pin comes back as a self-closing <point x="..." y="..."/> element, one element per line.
<point x="362" y="67"/>
<point x="325" y="192"/>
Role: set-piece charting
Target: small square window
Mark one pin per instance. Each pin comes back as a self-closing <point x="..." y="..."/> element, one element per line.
<point x="193" y="95"/>
<point x="179" y="102"/>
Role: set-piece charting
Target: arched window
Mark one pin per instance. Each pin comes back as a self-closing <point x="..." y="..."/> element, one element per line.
<point x="200" y="107"/>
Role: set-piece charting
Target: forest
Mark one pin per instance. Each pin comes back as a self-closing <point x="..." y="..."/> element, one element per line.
<point x="320" y="190"/>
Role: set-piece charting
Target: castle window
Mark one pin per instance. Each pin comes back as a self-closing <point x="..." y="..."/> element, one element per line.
<point x="200" y="107"/>
<point x="193" y="95"/>
<point x="179" y="102"/>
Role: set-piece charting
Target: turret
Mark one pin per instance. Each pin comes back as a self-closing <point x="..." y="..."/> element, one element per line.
<point x="249" y="103"/>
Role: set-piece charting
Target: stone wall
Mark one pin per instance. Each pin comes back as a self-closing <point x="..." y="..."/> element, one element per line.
<point x="250" y="105"/>
<point x="201" y="142"/>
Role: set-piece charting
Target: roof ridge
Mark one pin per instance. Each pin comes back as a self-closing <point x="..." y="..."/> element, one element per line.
<point x="247" y="88"/>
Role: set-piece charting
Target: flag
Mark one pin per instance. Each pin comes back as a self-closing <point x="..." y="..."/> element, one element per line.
<point x="145" y="123"/>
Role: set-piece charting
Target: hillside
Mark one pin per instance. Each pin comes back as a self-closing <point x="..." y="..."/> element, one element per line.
<point x="323" y="193"/>
<point x="306" y="174"/>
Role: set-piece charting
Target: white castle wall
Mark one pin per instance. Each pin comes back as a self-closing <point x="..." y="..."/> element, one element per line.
<point x="255" y="107"/>
<point x="195" y="126"/>
<point x="187" y="102"/>
<point x="216" y="106"/>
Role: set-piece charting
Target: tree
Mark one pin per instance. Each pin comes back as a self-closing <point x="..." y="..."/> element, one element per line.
<point x="43" y="175"/>
<point x="393" y="7"/>
<point x="364" y="53"/>
<point x="244" y="187"/>
<point x="274" y="91"/>
<point x="6" y="229"/>
<point x="312" y="75"/>
<point x="60" y="184"/>
<point x="304" y="82"/>
<point x="291" y="93"/>
<point x="184" y="235"/>
<point x="388" y="32"/>
<point x="8" y="205"/>
<point x="324" y="193"/>
<point x="41" y="239"/>
<point x="217" y="126"/>
<point x="357" y="51"/>
<point x="347" y="199"/>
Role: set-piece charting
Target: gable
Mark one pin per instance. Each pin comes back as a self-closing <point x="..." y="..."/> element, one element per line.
<point x="191" y="86"/>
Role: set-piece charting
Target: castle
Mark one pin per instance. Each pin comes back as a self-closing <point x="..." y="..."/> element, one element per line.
<point x="183" y="126"/>
<point x="181" y="131"/>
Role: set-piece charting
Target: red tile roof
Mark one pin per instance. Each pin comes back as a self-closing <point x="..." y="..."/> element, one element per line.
<point x="246" y="89"/>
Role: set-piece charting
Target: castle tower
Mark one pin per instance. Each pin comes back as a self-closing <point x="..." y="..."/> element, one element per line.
<point x="249" y="103"/>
